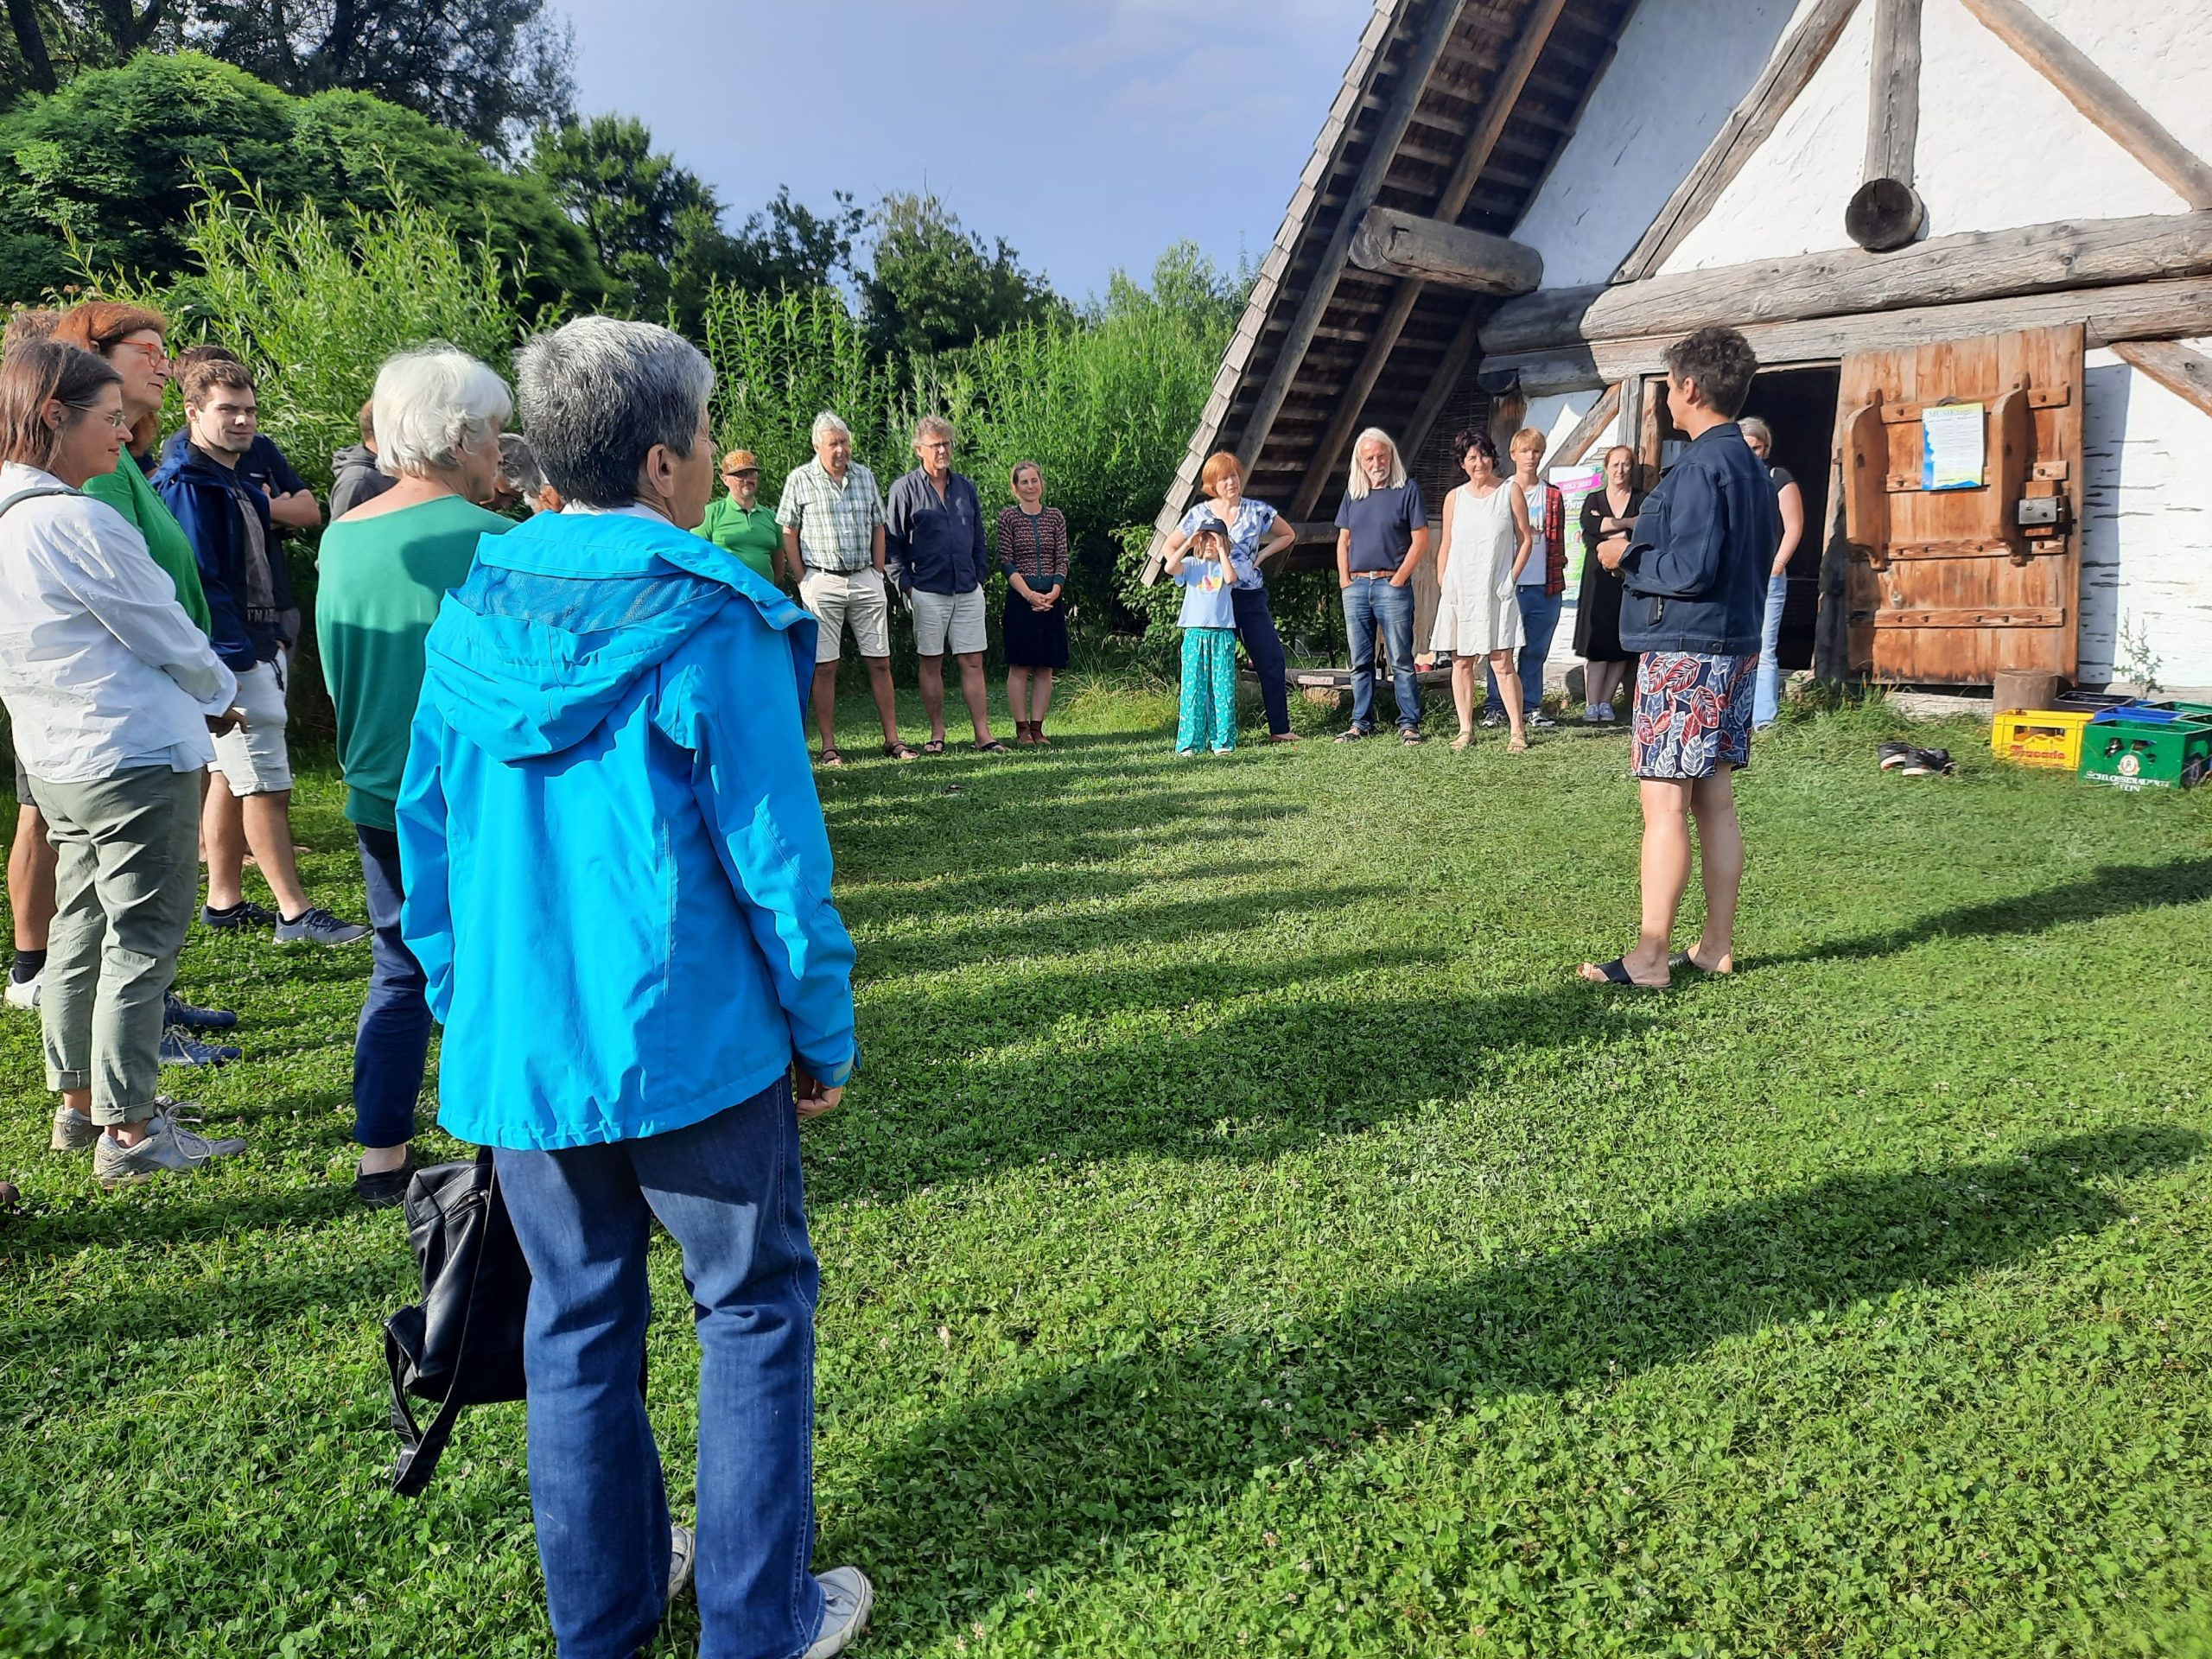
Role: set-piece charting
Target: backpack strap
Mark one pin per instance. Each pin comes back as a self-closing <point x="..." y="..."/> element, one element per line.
<point x="34" y="492"/>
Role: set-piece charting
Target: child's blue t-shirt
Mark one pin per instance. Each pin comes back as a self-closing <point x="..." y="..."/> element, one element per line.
<point x="1206" y="602"/>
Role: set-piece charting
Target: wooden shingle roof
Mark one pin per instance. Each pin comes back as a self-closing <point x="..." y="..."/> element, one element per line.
<point x="1451" y="110"/>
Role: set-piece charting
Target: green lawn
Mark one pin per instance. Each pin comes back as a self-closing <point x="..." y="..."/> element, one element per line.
<point x="1245" y="1236"/>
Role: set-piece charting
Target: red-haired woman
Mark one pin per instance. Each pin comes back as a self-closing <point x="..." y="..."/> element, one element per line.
<point x="1256" y="534"/>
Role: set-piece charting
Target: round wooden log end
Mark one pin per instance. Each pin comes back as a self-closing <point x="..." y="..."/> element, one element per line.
<point x="1884" y="215"/>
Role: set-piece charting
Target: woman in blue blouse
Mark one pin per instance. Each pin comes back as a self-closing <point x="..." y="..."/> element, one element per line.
<point x="1256" y="534"/>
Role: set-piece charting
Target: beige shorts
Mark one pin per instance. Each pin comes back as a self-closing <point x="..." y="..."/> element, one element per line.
<point x="953" y="619"/>
<point x="258" y="761"/>
<point x="840" y="601"/>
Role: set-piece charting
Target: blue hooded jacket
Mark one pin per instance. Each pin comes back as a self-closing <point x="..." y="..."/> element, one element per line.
<point x="617" y="873"/>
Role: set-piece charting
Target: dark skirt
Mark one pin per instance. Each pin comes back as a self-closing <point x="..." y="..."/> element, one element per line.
<point x="1035" y="638"/>
<point x="1598" y="615"/>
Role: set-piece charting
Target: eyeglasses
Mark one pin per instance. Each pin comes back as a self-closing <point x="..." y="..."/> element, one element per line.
<point x="154" y="354"/>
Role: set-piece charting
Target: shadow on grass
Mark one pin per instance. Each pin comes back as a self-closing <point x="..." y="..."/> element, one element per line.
<point x="1042" y="1475"/>
<point x="2112" y="890"/>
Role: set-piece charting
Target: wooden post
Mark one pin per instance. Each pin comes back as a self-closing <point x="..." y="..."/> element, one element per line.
<point x="1893" y="121"/>
<point x="1436" y="250"/>
<point x="2098" y="96"/>
<point x="1586" y="430"/>
<point x="2184" y="373"/>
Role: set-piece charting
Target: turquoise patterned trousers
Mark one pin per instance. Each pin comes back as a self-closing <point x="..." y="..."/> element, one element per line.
<point x="1209" y="718"/>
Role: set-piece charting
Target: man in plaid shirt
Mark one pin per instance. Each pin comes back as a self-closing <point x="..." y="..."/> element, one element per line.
<point x="832" y="516"/>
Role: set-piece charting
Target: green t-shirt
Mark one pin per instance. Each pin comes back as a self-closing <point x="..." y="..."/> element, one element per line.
<point x="754" y="537"/>
<point x="126" y="490"/>
<point x="382" y="579"/>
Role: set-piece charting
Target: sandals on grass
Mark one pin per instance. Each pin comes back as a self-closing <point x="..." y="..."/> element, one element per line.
<point x="831" y="758"/>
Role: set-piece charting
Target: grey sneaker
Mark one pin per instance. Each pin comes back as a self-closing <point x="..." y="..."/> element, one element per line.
<point x="849" y="1595"/>
<point x="244" y="913"/>
<point x="1493" y="718"/>
<point x="1540" y="721"/>
<point x="318" y="927"/>
<point x="682" y="1548"/>
<point x="72" y="1130"/>
<point x="167" y="1147"/>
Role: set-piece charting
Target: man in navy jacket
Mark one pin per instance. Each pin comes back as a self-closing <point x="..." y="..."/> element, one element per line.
<point x="1694" y="573"/>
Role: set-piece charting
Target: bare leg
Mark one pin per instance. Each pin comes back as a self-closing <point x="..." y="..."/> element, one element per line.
<point x="1463" y="696"/>
<point x="1017" y="697"/>
<point x="30" y="880"/>
<point x="1720" y="857"/>
<point x="928" y="675"/>
<point x="269" y="832"/>
<point x="824" y="700"/>
<point x="222" y="836"/>
<point x="1507" y="666"/>
<point x="975" y="693"/>
<point x="1041" y="699"/>
<point x="886" y="699"/>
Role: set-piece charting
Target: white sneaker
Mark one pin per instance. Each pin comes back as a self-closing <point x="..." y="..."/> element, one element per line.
<point x="24" y="993"/>
<point x="683" y="1549"/>
<point x="847" y="1596"/>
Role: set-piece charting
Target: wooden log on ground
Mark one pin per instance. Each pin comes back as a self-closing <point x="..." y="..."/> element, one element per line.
<point x="1946" y="270"/>
<point x="1431" y="251"/>
<point x="2098" y="96"/>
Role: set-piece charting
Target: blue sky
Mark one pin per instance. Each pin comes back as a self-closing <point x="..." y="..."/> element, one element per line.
<point x="1089" y="135"/>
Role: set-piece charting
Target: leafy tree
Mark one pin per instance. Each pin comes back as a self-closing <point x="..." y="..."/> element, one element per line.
<point x="112" y="162"/>
<point x="492" y="69"/>
<point x="931" y="286"/>
<point x="787" y="244"/>
<point x="636" y="206"/>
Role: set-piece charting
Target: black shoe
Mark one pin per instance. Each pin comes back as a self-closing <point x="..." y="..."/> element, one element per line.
<point x="1894" y="754"/>
<point x="383" y="1191"/>
<point x="244" y="913"/>
<point x="1351" y="735"/>
<point x="1929" y="763"/>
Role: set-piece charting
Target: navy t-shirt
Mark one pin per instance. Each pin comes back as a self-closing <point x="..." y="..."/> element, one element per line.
<point x="1381" y="524"/>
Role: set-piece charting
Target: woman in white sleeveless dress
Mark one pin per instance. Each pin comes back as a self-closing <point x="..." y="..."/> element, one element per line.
<point x="1486" y="541"/>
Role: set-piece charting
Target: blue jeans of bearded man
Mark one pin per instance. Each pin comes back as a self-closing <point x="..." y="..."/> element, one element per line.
<point x="1372" y="605"/>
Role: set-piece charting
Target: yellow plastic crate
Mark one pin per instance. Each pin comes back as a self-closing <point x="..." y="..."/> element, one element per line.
<point x="2040" y="737"/>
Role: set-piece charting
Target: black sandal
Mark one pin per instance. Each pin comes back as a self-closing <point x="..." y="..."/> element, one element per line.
<point x="1682" y="959"/>
<point x="898" y="750"/>
<point x="1616" y="972"/>
<point x="934" y="746"/>
<point x="993" y="748"/>
<point x="831" y="758"/>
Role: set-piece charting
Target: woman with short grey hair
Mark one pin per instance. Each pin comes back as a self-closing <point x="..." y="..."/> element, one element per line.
<point x="385" y="567"/>
<point x="618" y="886"/>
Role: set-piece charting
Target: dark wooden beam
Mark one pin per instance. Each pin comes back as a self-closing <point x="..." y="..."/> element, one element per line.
<point x="2184" y="373"/>
<point x="1450" y="368"/>
<point x="1390" y="126"/>
<point x="2098" y="96"/>
<point x="1436" y="250"/>
<point x="2175" y="309"/>
<point x="1753" y="122"/>
<point x="1482" y="144"/>
<point x="1893" y="121"/>
<point x="1945" y="270"/>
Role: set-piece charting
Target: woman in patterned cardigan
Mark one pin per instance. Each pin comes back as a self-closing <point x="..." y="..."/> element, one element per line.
<point x="1034" y="552"/>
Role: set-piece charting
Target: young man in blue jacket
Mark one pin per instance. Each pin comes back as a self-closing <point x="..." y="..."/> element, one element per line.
<point x="1694" y="575"/>
<point x="226" y="515"/>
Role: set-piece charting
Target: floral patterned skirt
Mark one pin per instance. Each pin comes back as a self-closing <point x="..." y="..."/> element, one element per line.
<point x="1693" y="713"/>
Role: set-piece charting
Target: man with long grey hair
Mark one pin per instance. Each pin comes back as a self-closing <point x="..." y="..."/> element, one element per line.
<point x="1382" y="535"/>
<point x="618" y="887"/>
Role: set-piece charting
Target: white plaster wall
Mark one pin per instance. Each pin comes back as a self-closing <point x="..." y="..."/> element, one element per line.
<point x="1682" y="66"/>
<point x="2146" y="528"/>
<point x="1557" y="416"/>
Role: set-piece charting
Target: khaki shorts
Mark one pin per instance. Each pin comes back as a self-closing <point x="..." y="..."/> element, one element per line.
<point x="257" y="761"/>
<point x="838" y="601"/>
<point x="954" y="618"/>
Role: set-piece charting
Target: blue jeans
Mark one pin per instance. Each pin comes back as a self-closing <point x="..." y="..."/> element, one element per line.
<point x="1256" y="627"/>
<point x="391" y="1046"/>
<point x="728" y="1190"/>
<point x="1539" y="622"/>
<point x="1766" y="695"/>
<point x="1371" y="604"/>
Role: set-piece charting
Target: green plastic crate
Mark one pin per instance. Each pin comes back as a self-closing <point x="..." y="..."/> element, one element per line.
<point x="2146" y="754"/>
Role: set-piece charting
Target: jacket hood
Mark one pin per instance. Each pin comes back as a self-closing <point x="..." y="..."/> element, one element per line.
<point x="353" y="455"/>
<point x="561" y="615"/>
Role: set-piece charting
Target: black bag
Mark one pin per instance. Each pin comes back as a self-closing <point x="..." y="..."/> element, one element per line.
<point x="462" y="1345"/>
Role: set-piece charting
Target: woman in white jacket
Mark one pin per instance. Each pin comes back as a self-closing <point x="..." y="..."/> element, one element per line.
<point x="111" y="692"/>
